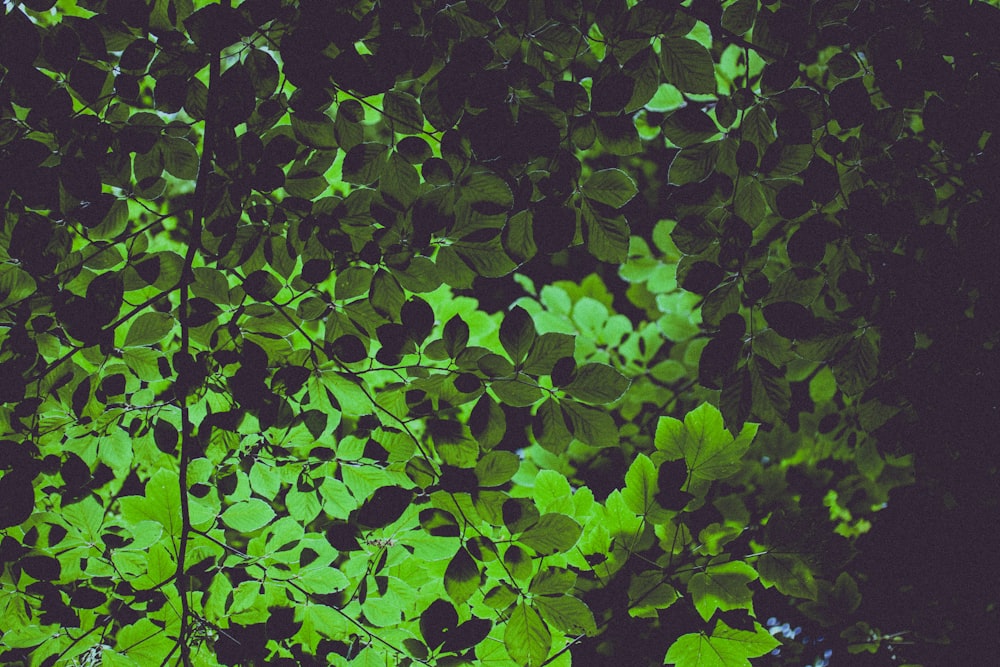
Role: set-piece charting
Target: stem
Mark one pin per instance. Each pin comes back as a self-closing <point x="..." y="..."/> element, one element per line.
<point x="187" y="278"/>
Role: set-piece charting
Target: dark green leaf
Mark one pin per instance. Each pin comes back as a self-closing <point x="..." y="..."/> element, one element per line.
<point x="612" y="187"/>
<point x="263" y="73"/>
<point x="364" y="163"/>
<point x="517" y="334"/>
<point x="607" y="238"/>
<point x="694" y="164"/>
<point x="386" y="296"/>
<point x="689" y="126"/>
<point x="315" y="129"/>
<point x="456" y="335"/>
<point x="738" y="17"/>
<point x="404" y="111"/>
<point x="521" y="391"/>
<point x="789" y="573"/>
<point x="549" y="427"/>
<point x="687" y="65"/>
<point x="591" y="426"/>
<point x="597" y="383"/>
<point x="618" y="135"/>
<point x="546" y="351"/>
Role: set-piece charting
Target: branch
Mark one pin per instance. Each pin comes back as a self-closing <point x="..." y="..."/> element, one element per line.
<point x="188" y="442"/>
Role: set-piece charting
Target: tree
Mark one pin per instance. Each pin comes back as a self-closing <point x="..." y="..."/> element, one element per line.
<point x="498" y="332"/>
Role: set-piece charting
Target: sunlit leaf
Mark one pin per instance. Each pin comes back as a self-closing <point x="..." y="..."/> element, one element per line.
<point x="248" y="515"/>
<point x="527" y="637"/>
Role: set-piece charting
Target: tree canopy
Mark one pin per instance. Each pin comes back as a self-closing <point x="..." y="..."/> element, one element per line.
<point x="539" y="332"/>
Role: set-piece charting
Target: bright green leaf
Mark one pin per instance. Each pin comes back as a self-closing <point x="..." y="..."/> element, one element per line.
<point x="566" y="613"/>
<point x="722" y="587"/>
<point x="248" y="515"/>
<point x="149" y="328"/>
<point x="707" y="448"/>
<point x="725" y="647"/>
<point x="554" y="533"/>
<point x="526" y="637"/>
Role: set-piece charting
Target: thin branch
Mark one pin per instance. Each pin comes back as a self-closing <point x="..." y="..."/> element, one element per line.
<point x="188" y="443"/>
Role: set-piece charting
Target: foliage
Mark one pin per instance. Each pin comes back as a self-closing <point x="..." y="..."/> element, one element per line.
<point x="503" y="333"/>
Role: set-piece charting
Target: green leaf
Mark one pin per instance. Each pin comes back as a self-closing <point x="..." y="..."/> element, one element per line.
<point x="456" y="336"/>
<point x="386" y="295"/>
<point x="546" y="351"/>
<point x="144" y="643"/>
<point x="526" y="637"/>
<point x="606" y="238"/>
<point x="692" y="165"/>
<point x="160" y="504"/>
<point x="640" y="486"/>
<point x="549" y="427"/>
<point x="648" y="592"/>
<point x="314" y="129"/>
<point x="461" y="577"/>
<point x="496" y="468"/>
<point x="591" y="426"/>
<point x="404" y="111"/>
<point x="518" y="237"/>
<point x="687" y="65"/>
<point x="480" y="188"/>
<point x="364" y="163"/>
<point x="689" y="126"/>
<point x="738" y="17"/>
<point x="552" y="581"/>
<point x="321" y="580"/>
<point x="400" y="181"/>
<point x="517" y="334"/>
<point x="789" y="573"/>
<point x="518" y="392"/>
<point x="263" y="73"/>
<point x="709" y="451"/>
<point x="15" y="284"/>
<point x="248" y="515"/>
<point x="485" y="258"/>
<point x="770" y="390"/>
<point x="722" y="587"/>
<point x="566" y="613"/>
<point x="149" y="328"/>
<point x="597" y="383"/>
<point x="348" y="127"/>
<point x="553" y="533"/>
<point x="618" y="135"/>
<point x="612" y="187"/>
<point x="179" y="157"/>
<point x="725" y="647"/>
